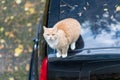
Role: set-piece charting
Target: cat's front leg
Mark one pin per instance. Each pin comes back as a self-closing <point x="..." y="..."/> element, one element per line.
<point x="64" y="52"/>
<point x="58" y="54"/>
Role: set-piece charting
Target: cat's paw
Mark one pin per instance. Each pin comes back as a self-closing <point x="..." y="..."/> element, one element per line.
<point x="72" y="46"/>
<point x="58" y="55"/>
<point x="64" y="55"/>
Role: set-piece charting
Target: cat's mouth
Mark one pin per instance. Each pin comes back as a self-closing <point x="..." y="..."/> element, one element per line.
<point x="52" y="39"/>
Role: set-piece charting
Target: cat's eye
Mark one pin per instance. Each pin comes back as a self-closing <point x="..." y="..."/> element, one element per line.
<point x="53" y="34"/>
<point x="47" y="34"/>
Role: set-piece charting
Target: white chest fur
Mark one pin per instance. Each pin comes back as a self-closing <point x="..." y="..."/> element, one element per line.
<point x="52" y="44"/>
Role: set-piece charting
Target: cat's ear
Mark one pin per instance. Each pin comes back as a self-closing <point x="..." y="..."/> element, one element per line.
<point x="44" y="27"/>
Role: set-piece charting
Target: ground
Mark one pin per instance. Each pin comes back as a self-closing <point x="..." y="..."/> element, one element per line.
<point x="18" y="21"/>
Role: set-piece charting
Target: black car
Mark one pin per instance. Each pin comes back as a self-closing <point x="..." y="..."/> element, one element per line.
<point x="97" y="53"/>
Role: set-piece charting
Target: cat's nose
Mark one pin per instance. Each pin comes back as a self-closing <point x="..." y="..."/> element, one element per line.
<point x="50" y="38"/>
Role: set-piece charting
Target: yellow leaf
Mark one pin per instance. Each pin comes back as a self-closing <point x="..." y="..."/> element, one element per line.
<point x="6" y="19"/>
<point x="18" y="51"/>
<point x="16" y="68"/>
<point x="28" y="5"/>
<point x="30" y="29"/>
<point x="1" y="29"/>
<point x="0" y="55"/>
<point x="27" y="13"/>
<point x="32" y="10"/>
<point x="11" y="17"/>
<point x="29" y="24"/>
<point x="2" y="46"/>
<point x="5" y="8"/>
<point x="11" y="35"/>
<point x="7" y="33"/>
<point x="43" y="0"/>
<point x="30" y="49"/>
<point x="20" y="46"/>
<point x="26" y="9"/>
<point x="118" y="8"/>
<point x="18" y="1"/>
<point x="11" y="78"/>
<point x="27" y="67"/>
<point x="3" y="2"/>
<point x="2" y="41"/>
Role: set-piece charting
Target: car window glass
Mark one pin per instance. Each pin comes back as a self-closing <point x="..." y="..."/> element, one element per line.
<point x="99" y="19"/>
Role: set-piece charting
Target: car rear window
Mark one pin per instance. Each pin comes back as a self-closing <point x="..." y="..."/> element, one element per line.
<point x="99" y="19"/>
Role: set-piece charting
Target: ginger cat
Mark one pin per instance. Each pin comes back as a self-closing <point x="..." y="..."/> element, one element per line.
<point x="64" y="33"/>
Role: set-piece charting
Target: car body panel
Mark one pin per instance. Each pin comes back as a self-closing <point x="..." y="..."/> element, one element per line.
<point x="97" y="53"/>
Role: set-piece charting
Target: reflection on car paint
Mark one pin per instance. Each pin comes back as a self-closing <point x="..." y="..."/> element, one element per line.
<point x="100" y="26"/>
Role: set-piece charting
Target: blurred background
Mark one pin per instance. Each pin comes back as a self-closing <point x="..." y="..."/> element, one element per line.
<point x="18" y="21"/>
